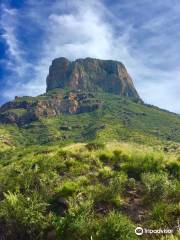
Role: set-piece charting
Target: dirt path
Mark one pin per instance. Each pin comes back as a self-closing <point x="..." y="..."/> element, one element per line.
<point x="134" y="208"/>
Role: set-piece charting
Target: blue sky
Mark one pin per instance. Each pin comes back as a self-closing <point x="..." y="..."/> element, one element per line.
<point x="143" y="34"/>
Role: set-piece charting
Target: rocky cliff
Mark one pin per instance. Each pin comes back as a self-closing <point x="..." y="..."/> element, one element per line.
<point x="72" y="87"/>
<point x="91" y="74"/>
<point x="26" y="109"/>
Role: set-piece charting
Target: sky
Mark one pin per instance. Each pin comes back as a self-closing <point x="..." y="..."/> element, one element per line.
<point x="142" y="34"/>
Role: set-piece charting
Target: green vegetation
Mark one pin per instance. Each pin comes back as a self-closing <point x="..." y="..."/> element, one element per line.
<point x="87" y="191"/>
<point x="120" y="119"/>
<point x="90" y="176"/>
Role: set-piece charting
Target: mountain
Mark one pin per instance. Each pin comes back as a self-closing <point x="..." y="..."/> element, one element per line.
<point x="84" y="77"/>
<point x="88" y="159"/>
<point x="87" y="99"/>
<point x="91" y="74"/>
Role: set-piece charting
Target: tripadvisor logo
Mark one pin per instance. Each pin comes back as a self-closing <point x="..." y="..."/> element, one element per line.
<point x="140" y="231"/>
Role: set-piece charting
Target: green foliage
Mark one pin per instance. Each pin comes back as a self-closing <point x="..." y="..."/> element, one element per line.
<point x="111" y="193"/>
<point x="131" y="184"/>
<point x="162" y="215"/>
<point x="174" y="169"/>
<point x="76" y="193"/>
<point x="120" y="119"/>
<point x="24" y="216"/>
<point x="94" y="146"/>
<point x="67" y="189"/>
<point x="156" y="186"/>
<point x="105" y="173"/>
<point x="78" y="224"/>
<point x="116" y="227"/>
<point x="97" y="182"/>
<point x="138" y="164"/>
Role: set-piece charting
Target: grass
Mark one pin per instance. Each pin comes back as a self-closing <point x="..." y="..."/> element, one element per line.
<point x="86" y="192"/>
<point x="98" y="178"/>
<point x="120" y="119"/>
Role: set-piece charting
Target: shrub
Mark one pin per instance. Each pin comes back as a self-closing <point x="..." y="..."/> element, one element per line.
<point x="79" y="224"/>
<point x="29" y="175"/>
<point x="155" y="186"/>
<point x="114" y="159"/>
<point x="139" y="163"/>
<point x="105" y="158"/>
<point x="162" y="215"/>
<point x="118" y="156"/>
<point x="117" y="183"/>
<point x="174" y="190"/>
<point x="67" y="189"/>
<point x="105" y="173"/>
<point x="94" y="146"/>
<point x="110" y="194"/>
<point x="24" y="216"/>
<point x="115" y="226"/>
<point x="174" y="169"/>
<point x="131" y="183"/>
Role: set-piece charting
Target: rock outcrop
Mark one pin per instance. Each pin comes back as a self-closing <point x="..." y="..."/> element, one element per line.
<point x="91" y="74"/>
<point x="77" y="83"/>
<point x="25" y="111"/>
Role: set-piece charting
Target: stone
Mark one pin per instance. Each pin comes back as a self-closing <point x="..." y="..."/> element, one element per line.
<point x="91" y="74"/>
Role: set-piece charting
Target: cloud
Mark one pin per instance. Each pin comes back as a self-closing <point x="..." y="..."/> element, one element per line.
<point x="77" y="29"/>
<point x="15" y="55"/>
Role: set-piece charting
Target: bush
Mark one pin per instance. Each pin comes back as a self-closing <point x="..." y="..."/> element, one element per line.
<point x="105" y="158"/>
<point x="174" y="190"/>
<point x="118" y="156"/>
<point x="162" y="215"/>
<point x="156" y="186"/>
<point x="94" y="146"/>
<point x="131" y="184"/>
<point x="174" y="169"/>
<point x="24" y="217"/>
<point x="67" y="189"/>
<point x="79" y="224"/>
<point x="110" y="194"/>
<point x="138" y="164"/>
<point x="116" y="227"/>
<point x="105" y="173"/>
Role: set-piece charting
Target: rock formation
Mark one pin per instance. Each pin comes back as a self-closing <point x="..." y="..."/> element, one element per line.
<point x="91" y="74"/>
<point x="80" y="82"/>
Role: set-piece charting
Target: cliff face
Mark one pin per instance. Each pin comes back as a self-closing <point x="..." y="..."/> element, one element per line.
<point x="78" y="82"/>
<point x="91" y="74"/>
<point x="22" y="111"/>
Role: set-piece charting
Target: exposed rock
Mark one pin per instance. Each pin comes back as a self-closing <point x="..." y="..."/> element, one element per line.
<point x="24" y="112"/>
<point x="83" y="78"/>
<point x="91" y="74"/>
<point x="9" y="117"/>
<point x="17" y="104"/>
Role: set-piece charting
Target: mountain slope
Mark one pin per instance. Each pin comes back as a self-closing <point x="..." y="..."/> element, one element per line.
<point x="88" y="159"/>
<point x="86" y="99"/>
<point x="104" y="117"/>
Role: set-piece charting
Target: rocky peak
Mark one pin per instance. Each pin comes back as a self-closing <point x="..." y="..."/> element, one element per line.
<point x="78" y="82"/>
<point x="91" y="74"/>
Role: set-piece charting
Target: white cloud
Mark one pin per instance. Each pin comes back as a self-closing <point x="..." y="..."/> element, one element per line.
<point x="77" y="29"/>
<point x="15" y="55"/>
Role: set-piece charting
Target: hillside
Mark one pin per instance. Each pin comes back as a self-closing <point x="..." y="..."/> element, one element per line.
<point x="102" y="116"/>
<point x="88" y="159"/>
